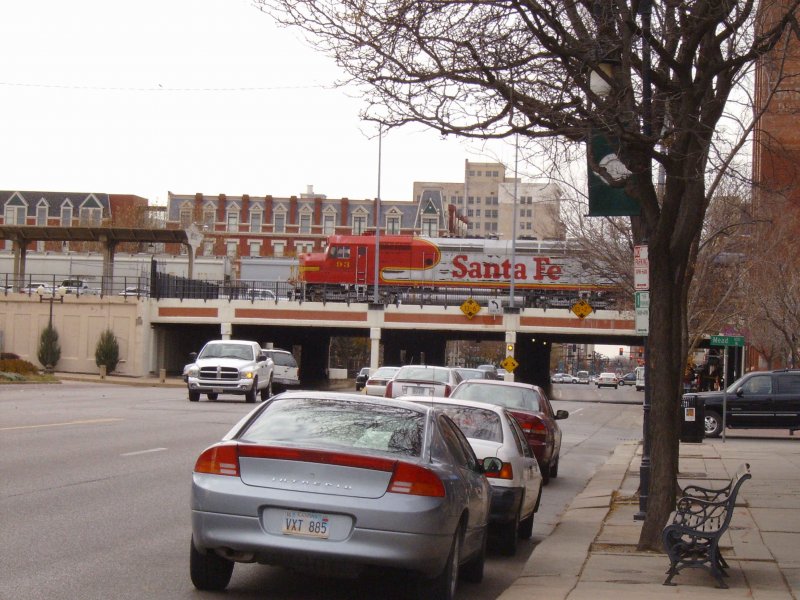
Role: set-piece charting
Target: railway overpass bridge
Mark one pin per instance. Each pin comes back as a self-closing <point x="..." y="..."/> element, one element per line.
<point x="159" y="334"/>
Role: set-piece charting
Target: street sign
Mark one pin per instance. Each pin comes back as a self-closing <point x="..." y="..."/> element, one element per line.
<point x="642" y="316"/>
<point x="582" y="309"/>
<point x="470" y="308"/>
<point x="495" y="306"/>
<point x="509" y="364"/>
<point x="641" y="268"/>
<point x="727" y="340"/>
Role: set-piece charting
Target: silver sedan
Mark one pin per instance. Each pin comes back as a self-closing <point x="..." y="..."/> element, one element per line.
<point x="338" y="483"/>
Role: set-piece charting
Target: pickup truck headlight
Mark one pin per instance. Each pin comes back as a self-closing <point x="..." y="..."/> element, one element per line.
<point x="247" y="373"/>
<point x="191" y="371"/>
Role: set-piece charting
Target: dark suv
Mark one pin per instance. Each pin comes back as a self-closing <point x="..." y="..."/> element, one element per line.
<point x="758" y="400"/>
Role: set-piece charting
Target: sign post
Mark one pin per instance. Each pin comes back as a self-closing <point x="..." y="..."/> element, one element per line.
<point x="641" y="285"/>
<point x="737" y="341"/>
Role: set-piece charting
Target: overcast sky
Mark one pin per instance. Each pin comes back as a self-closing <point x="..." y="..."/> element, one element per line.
<point x="191" y="96"/>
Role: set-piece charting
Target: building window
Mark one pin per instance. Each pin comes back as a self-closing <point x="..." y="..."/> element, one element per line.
<point x="91" y="216"/>
<point x="359" y="224"/>
<point x="231" y="248"/>
<point x="41" y="215"/>
<point x="280" y="223"/>
<point x="208" y="248"/>
<point x="278" y="248"/>
<point x="185" y="216"/>
<point x="15" y="215"/>
<point x="477" y="212"/>
<point x="66" y="216"/>
<point x="328" y="224"/>
<point x="472" y="173"/>
<point x="255" y="221"/>
<point x="393" y="225"/>
<point x="305" y="223"/>
<point x="304" y="247"/>
<point x="470" y="200"/>
<point x="429" y="227"/>
<point x="232" y="220"/>
<point x="209" y="216"/>
<point x="255" y="248"/>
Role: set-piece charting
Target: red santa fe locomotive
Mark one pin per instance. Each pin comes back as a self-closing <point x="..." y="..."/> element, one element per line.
<point x="409" y="265"/>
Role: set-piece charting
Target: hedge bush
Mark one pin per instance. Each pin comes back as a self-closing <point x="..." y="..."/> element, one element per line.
<point x="17" y="365"/>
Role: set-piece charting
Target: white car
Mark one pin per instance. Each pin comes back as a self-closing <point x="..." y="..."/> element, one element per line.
<point x="516" y="491"/>
<point x="376" y="383"/>
<point x="422" y="380"/>
<point x="607" y="380"/>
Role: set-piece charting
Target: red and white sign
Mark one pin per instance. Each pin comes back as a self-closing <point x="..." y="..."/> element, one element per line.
<point x="641" y="269"/>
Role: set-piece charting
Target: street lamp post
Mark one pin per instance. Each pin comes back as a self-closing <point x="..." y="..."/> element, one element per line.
<point x="49" y="336"/>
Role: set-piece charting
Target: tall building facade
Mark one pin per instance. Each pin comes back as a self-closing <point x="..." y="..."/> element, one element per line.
<point x="488" y="199"/>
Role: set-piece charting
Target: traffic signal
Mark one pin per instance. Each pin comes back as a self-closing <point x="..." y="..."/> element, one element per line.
<point x="510" y="349"/>
<point x="620" y="352"/>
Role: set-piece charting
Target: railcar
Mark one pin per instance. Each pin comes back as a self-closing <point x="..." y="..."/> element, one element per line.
<point x="544" y="273"/>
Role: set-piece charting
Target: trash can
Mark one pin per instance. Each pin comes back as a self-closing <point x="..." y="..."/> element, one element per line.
<point x="693" y="416"/>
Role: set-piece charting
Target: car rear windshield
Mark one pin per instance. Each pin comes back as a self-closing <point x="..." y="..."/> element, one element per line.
<point x="283" y="359"/>
<point x="509" y="396"/>
<point x="326" y="422"/>
<point x="476" y="423"/>
<point x="384" y="373"/>
<point x="423" y="374"/>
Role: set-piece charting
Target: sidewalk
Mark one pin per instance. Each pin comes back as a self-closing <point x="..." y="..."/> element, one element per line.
<point x="591" y="554"/>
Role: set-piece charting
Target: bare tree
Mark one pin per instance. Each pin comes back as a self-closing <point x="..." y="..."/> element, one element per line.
<point x="491" y="69"/>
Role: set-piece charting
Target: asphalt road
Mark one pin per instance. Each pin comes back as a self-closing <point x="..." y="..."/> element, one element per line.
<point x="94" y="501"/>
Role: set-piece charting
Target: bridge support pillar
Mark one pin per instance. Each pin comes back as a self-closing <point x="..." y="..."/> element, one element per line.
<point x="374" y="348"/>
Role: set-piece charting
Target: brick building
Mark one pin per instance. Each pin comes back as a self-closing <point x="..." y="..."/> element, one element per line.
<point x="247" y="226"/>
<point x="71" y="209"/>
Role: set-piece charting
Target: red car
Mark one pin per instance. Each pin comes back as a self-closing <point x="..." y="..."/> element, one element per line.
<point x="531" y="407"/>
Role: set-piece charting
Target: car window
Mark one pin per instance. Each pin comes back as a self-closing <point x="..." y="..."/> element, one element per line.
<point x="457" y="443"/>
<point x="329" y="422"/>
<point x="788" y="383"/>
<point x="477" y="423"/>
<point x="283" y="359"/>
<point x="237" y="351"/>
<point x="758" y="384"/>
<point x="509" y="396"/>
<point x="384" y="373"/>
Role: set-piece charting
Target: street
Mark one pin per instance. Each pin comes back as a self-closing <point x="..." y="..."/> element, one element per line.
<point x="95" y="495"/>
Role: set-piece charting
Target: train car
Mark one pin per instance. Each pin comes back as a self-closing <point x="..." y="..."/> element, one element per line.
<point x="541" y="269"/>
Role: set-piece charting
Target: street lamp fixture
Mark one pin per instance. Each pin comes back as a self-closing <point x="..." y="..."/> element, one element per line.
<point x="51" y="295"/>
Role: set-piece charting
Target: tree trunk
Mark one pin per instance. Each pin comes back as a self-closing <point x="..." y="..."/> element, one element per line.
<point x="665" y="371"/>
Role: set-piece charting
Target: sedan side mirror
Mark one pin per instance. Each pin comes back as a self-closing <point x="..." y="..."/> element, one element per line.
<point x="740" y="392"/>
<point x="561" y="414"/>
<point x="492" y="464"/>
<point x="193" y="356"/>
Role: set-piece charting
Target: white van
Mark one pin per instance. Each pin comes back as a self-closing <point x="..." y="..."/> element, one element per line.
<point x="583" y="377"/>
<point x="639" y="379"/>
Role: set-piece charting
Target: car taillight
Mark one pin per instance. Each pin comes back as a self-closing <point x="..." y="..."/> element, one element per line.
<point x="416" y="481"/>
<point x="507" y="472"/>
<point x="534" y="428"/>
<point x="222" y="459"/>
<point x="388" y="392"/>
<point x="447" y="390"/>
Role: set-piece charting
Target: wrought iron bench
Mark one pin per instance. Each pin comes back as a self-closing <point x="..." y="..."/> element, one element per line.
<point x="702" y="515"/>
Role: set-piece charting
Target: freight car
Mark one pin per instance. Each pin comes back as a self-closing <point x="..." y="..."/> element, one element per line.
<point x="414" y="268"/>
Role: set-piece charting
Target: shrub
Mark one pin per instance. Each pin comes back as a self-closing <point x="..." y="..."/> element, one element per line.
<point x="49" y="349"/>
<point x="107" y="351"/>
<point x="8" y="356"/>
<point x="16" y="365"/>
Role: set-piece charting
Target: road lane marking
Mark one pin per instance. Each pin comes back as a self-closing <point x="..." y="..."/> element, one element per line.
<point x="143" y="452"/>
<point x="86" y="422"/>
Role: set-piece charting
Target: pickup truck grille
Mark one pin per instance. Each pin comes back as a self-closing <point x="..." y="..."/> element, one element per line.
<point x="219" y="373"/>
